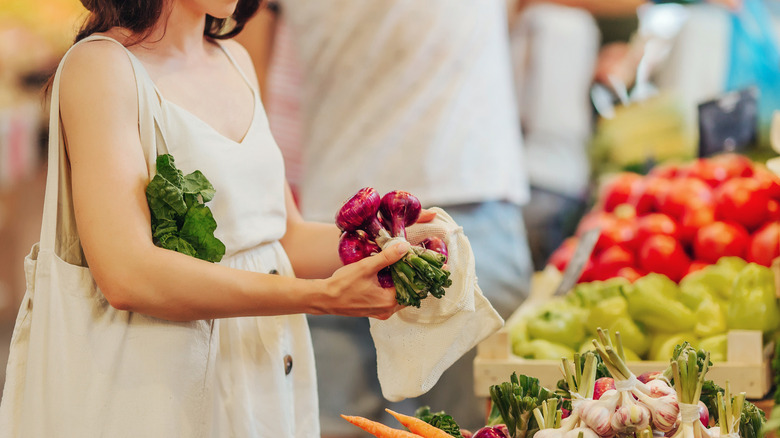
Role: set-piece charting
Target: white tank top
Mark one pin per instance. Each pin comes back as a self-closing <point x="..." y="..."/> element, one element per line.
<point x="406" y="94"/>
<point x="248" y="176"/>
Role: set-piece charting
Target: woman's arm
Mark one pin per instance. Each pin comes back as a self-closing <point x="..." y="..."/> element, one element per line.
<point x="311" y="246"/>
<point x="99" y="113"/>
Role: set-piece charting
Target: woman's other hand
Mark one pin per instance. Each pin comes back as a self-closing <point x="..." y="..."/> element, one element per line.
<point x="354" y="289"/>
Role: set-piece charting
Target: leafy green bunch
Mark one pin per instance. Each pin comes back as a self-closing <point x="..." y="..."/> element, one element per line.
<point x="440" y="420"/>
<point x="513" y="404"/>
<point x="181" y="221"/>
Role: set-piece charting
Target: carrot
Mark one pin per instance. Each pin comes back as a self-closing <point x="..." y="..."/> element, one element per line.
<point x="419" y="427"/>
<point x="378" y="429"/>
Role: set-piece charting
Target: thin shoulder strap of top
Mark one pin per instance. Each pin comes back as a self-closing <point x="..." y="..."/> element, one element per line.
<point x="249" y="83"/>
<point x="58" y="193"/>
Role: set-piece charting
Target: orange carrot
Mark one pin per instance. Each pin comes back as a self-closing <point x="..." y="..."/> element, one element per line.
<point x="378" y="429"/>
<point x="419" y="427"/>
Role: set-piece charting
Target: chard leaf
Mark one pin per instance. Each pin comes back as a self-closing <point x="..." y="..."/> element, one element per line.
<point x="198" y="230"/>
<point x="167" y="170"/>
<point x="180" y="221"/>
<point x="197" y="184"/>
<point x="162" y="228"/>
<point x="165" y="199"/>
<point x="176" y="243"/>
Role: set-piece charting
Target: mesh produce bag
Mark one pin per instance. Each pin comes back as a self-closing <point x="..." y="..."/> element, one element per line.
<point x="415" y="346"/>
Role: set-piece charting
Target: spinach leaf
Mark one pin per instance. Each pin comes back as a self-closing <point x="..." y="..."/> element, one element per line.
<point x="181" y="221"/>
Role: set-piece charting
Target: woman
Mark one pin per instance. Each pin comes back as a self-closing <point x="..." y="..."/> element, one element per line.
<point x="233" y="376"/>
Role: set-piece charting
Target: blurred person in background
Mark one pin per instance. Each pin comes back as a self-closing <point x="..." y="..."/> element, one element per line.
<point x="415" y="96"/>
<point x="556" y="55"/>
<point x="723" y="46"/>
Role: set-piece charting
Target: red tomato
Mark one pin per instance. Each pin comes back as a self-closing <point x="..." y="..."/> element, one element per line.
<point x="765" y="244"/>
<point x="594" y="219"/>
<point x="720" y="239"/>
<point x="706" y="170"/>
<point x="768" y="181"/>
<point x="683" y="193"/>
<point x="621" y="232"/>
<point x="664" y="255"/>
<point x="561" y="256"/>
<point x="589" y="272"/>
<point x="630" y="273"/>
<point x="648" y="193"/>
<point x="773" y="210"/>
<point x="694" y="218"/>
<point x="742" y="200"/>
<point x="666" y="170"/>
<point x="618" y="189"/>
<point x="695" y="266"/>
<point x="625" y="212"/>
<point x="610" y="260"/>
<point x="736" y="165"/>
<point x="654" y="223"/>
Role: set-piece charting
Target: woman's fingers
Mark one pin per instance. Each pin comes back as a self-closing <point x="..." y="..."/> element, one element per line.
<point x="388" y="256"/>
<point x="426" y="216"/>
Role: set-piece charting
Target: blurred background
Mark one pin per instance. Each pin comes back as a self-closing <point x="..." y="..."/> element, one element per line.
<point x="655" y="69"/>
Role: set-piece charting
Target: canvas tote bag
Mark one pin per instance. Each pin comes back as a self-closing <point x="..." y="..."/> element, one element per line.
<point x="80" y="368"/>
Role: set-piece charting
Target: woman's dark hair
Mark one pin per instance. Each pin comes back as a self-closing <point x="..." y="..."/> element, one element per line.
<point x="139" y="16"/>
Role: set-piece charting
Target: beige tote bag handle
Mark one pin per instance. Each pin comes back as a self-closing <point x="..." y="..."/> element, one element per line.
<point x="58" y="217"/>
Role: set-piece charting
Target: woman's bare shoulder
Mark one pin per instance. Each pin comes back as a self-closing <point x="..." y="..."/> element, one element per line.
<point x="99" y="67"/>
<point x="241" y="56"/>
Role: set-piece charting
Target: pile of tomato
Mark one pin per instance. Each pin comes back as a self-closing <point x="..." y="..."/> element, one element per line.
<point x="679" y="218"/>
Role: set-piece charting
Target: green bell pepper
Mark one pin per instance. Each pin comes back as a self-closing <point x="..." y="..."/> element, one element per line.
<point x="632" y="336"/>
<point x="717" y="346"/>
<point x="694" y="290"/>
<point x="563" y="325"/>
<point x="543" y="350"/>
<point x="604" y="313"/>
<point x="716" y="279"/>
<point x="753" y="305"/>
<point x="653" y="303"/>
<point x="710" y="319"/>
<point x="659" y="284"/>
<point x="518" y="333"/>
<point x="662" y="345"/>
<point x="591" y="293"/>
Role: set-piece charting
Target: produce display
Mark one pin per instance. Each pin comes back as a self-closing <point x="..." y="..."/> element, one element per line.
<point x="370" y="223"/>
<point x="599" y="396"/>
<point x="653" y="314"/>
<point x="679" y="218"/>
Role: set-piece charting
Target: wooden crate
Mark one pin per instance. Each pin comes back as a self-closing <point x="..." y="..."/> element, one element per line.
<point x="747" y="367"/>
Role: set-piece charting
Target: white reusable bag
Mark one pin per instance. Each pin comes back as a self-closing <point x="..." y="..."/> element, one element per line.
<point x="77" y="366"/>
<point x="415" y="346"/>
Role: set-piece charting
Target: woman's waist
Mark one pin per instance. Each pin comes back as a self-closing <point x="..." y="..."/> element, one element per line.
<point x="266" y="257"/>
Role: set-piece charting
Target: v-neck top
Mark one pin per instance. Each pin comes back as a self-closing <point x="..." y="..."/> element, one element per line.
<point x="247" y="175"/>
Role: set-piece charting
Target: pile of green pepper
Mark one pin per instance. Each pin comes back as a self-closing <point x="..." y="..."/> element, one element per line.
<point x="654" y="314"/>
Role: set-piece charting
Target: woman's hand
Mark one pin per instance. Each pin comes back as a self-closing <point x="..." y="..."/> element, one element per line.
<point x="354" y="290"/>
<point x="426" y="216"/>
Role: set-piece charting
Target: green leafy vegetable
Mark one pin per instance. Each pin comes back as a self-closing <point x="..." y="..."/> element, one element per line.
<point x="709" y="396"/>
<point x="439" y="420"/>
<point x="181" y="221"/>
<point x="752" y="421"/>
<point x="513" y="404"/>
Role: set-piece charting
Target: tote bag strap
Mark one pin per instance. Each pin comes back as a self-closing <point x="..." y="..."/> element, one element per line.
<point x="58" y="205"/>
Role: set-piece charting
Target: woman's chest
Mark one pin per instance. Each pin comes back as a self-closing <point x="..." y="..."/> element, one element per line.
<point x="217" y="95"/>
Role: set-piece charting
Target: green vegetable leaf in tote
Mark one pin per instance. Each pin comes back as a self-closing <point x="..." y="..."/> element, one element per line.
<point x="180" y="219"/>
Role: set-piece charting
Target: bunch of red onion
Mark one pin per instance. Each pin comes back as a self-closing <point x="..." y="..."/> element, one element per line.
<point x="370" y="224"/>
